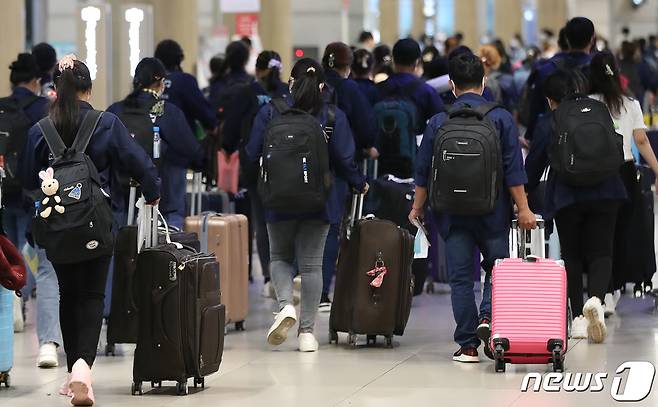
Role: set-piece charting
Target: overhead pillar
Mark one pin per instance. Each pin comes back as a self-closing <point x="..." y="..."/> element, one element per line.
<point x="12" y="32"/>
<point x="275" y="30"/>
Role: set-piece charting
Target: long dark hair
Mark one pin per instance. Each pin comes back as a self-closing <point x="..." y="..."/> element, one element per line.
<point x="148" y="72"/>
<point x="363" y="63"/>
<point x="307" y="76"/>
<point x="65" y="110"/>
<point x="270" y="60"/>
<point x="604" y="79"/>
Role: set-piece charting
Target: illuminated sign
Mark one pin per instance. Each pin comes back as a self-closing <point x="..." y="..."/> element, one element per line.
<point x="91" y="16"/>
<point x="134" y="16"/>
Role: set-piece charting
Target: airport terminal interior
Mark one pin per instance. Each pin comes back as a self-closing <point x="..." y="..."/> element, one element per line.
<point x="217" y="76"/>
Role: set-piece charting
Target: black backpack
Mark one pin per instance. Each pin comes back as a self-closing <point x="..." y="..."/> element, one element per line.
<point x="14" y="126"/>
<point x="75" y="223"/>
<point x="585" y="150"/>
<point x="295" y="176"/>
<point x="467" y="169"/>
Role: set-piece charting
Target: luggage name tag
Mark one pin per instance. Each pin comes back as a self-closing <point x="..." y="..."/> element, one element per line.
<point x="379" y="272"/>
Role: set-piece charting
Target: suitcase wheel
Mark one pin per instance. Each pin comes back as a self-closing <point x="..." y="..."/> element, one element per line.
<point x="499" y="359"/>
<point x="351" y="340"/>
<point x="5" y="379"/>
<point x="333" y="336"/>
<point x="109" y="349"/>
<point x="558" y="359"/>
<point x="199" y="381"/>
<point x="389" y="342"/>
<point x="371" y="340"/>
<point x="239" y="326"/>
<point x="181" y="388"/>
<point x="136" y="389"/>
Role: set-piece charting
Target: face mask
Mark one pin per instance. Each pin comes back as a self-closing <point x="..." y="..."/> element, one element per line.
<point x="484" y="82"/>
<point x="452" y="88"/>
<point x="291" y="82"/>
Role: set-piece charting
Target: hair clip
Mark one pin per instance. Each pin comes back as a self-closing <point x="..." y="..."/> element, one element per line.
<point x="332" y="60"/>
<point x="67" y="62"/>
<point x="608" y="70"/>
<point x="310" y="69"/>
<point x="364" y="63"/>
<point x="274" y="63"/>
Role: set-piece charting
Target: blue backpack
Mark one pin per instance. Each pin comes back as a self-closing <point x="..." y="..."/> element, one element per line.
<point x="397" y="124"/>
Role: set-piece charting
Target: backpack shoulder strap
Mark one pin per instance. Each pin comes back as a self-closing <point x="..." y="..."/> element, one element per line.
<point x="330" y="125"/>
<point x="486" y="108"/>
<point x="52" y="137"/>
<point x="280" y="105"/>
<point x="86" y="130"/>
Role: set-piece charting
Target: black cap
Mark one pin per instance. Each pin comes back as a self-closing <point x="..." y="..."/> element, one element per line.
<point x="406" y="52"/>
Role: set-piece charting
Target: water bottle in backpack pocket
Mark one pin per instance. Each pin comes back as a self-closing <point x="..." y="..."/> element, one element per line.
<point x="295" y="176"/>
<point x="467" y="163"/>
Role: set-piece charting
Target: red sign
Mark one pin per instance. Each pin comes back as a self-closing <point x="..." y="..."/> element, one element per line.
<point x="245" y="23"/>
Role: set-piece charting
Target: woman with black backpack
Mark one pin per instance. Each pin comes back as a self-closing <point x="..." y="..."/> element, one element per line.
<point x="295" y="233"/>
<point x="631" y="255"/>
<point x="586" y="214"/>
<point x="178" y="148"/>
<point x="82" y="272"/>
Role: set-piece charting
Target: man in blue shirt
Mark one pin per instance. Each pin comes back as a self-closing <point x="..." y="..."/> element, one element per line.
<point x="489" y="233"/>
<point x="580" y="36"/>
<point x="406" y="58"/>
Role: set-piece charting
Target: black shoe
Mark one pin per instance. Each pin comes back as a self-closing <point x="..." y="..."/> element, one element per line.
<point x="325" y="303"/>
<point x="484" y="334"/>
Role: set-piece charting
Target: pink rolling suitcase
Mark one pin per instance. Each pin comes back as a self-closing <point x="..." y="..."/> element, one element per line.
<point x="529" y="305"/>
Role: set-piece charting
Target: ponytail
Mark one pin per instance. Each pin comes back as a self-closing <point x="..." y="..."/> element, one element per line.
<point x="71" y="78"/>
<point x="148" y="72"/>
<point x="270" y="61"/>
<point x="307" y="76"/>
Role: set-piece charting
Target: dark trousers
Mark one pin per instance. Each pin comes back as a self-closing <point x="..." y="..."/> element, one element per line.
<point x="260" y="227"/>
<point x="586" y="231"/>
<point x="81" y="295"/>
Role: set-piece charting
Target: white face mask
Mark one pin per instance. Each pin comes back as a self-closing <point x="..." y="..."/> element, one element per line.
<point x="453" y="87"/>
<point x="291" y="82"/>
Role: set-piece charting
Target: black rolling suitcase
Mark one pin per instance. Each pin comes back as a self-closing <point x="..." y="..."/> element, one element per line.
<point x="181" y="334"/>
<point x="374" y="283"/>
<point x="122" y="323"/>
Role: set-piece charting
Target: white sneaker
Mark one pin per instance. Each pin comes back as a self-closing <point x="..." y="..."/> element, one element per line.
<point x="579" y="328"/>
<point x="610" y="305"/>
<point x="307" y="342"/>
<point x="297" y="289"/>
<point x="47" y="356"/>
<point x="19" y="322"/>
<point x="268" y="290"/>
<point x="593" y="311"/>
<point x="284" y="320"/>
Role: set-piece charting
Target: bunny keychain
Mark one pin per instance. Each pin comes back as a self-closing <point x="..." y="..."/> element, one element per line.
<point x="50" y="186"/>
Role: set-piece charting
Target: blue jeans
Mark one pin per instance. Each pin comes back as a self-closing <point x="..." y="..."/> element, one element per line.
<point x="461" y="243"/>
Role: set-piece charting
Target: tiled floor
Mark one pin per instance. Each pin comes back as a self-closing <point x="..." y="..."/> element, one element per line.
<point x="417" y="372"/>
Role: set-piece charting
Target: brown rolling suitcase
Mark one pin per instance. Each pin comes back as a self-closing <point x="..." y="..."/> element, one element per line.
<point x="226" y="235"/>
<point x="374" y="282"/>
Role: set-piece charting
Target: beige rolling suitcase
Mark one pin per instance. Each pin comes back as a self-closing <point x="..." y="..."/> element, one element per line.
<point x="226" y="235"/>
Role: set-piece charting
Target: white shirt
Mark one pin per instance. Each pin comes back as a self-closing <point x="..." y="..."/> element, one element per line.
<point x="630" y="119"/>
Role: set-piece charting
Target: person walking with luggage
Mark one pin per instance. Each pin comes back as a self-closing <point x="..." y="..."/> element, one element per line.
<point x="404" y="105"/>
<point x="465" y="228"/>
<point x="238" y="121"/>
<point x="81" y="271"/>
<point x="585" y="214"/>
<point x="143" y="111"/>
<point x="28" y="109"/>
<point x="345" y="93"/>
<point x="628" y="257"/>
<point x="298" y="215"/>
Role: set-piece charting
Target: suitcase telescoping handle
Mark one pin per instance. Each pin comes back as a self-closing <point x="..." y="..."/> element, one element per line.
<point x="195" y="199"/>
<point x="132" y="201"/>
<point x="356" y="212"/>
<point x="148" y="226"/>
<point x="522" y="240"/>
<point x="375" y="167"/>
